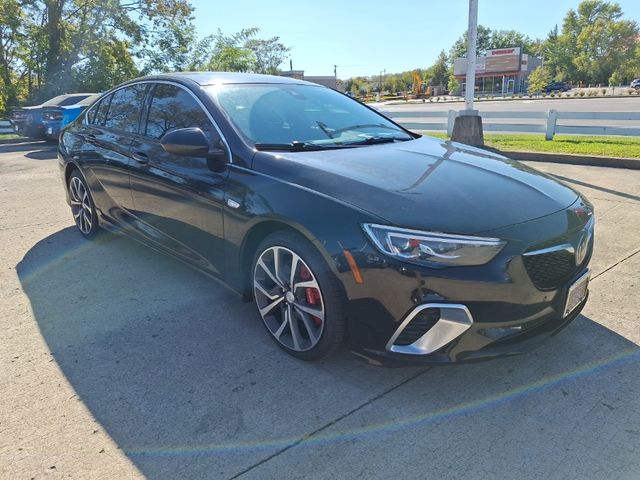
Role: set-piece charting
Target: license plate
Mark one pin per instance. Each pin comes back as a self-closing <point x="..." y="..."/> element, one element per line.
<point x="49" y="131"/>
<point x="576" y="294"/>
<point x="15" y="128"/>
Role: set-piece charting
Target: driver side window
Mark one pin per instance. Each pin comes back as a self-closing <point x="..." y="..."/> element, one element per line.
<point x="173" y="107"/>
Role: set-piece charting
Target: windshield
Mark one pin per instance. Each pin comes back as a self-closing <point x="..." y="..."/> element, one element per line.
<point x="285" y="115"/>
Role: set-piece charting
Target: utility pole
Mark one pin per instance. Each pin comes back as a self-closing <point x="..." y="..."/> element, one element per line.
<point x="335" y="71"/>
<point x="472" y="39"/>
<point x="468" y="124"/>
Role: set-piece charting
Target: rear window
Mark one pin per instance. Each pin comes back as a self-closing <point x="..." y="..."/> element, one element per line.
<point x="72" y="100"/>
<point x="64" y="100"/>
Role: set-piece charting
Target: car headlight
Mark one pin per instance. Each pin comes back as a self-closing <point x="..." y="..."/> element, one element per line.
<point x="429" y="248"/>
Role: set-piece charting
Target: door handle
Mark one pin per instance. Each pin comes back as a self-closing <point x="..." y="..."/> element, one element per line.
<point x="140" y="157"/>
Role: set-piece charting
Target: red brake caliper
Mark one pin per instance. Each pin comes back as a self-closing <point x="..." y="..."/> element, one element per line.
<point x="312" y="294"/>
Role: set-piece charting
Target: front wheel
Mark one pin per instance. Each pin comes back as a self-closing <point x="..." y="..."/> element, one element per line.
<point x="298" y="297"/>
<point x="82" y="206"/>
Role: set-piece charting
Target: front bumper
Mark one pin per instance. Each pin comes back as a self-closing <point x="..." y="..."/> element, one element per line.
<point x="510" y="310"/>
<point x="481" y="341"/>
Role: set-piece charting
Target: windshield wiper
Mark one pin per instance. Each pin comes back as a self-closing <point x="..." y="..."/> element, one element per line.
<point x="295" y="146"/>
<point x="324" y="128"/>
<point x="377" y="140"/>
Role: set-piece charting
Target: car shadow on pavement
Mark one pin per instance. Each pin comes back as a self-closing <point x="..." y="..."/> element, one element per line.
<point x="183" y="377"/>
<point x="45" y="154"/>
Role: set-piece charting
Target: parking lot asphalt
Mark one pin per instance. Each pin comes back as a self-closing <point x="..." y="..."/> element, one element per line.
<point x="119" y="362"/>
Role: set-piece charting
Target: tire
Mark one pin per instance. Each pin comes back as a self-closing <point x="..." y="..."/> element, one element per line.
<point x="82" y="207"/>
<point x="307" y="321"/>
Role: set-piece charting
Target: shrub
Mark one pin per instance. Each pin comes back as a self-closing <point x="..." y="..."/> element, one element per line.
<point x="604" y="91"/>
<point x="552" y="94"/>
<point x="581" y="93"/>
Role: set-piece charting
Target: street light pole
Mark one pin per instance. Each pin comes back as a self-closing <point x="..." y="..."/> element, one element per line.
<point x="467" y="127"/>
<point x="472" y="37"/>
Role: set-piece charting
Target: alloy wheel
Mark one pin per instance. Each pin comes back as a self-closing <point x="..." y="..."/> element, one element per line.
<point x="81" y="205"/>
<point x="289" y="298"/>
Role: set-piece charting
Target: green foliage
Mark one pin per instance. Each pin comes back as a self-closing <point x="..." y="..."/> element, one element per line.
<point x="538" y="80"/>
<point x="438" y="73"/>
<point x="109" y="64"/>
<point x="491" y="39"/>
<point x="239" y="52"/>
<point x="48" y="47"/>
<point x="595" y="43"/>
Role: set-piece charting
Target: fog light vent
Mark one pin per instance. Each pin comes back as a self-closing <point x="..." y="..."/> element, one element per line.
<point x="420" y="325"/>
<point x="429" y="327"/>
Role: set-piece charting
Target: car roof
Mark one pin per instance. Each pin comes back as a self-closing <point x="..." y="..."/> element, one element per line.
<point x="217" y="78"/>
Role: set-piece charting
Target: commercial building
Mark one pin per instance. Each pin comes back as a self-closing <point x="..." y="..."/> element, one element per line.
<point x="503" y="71"/>
<point x="326" y="80"/>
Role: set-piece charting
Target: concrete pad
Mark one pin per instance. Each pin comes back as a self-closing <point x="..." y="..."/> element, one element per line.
<point x="119" y="362"/>
<point x="568" y="410"/>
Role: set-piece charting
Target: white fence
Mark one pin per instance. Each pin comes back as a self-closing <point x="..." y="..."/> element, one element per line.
<point x="627" y="123"/>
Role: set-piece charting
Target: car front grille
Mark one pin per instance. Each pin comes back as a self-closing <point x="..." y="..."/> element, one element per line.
<point x="550" y="270"/>
<point x="420" y="325"/>
<point x="555" y="265"/>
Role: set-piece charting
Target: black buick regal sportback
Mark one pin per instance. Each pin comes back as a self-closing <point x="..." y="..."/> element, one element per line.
<point x="339" y="224"/>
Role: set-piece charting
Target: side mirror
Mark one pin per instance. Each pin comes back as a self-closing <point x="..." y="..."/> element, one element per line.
<point x="186" y="142"/>
<point x="192" y="142"/>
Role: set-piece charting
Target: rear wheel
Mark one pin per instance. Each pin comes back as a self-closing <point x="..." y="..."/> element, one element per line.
<point x="82" y="206"/>
<point x="298" y="297"/>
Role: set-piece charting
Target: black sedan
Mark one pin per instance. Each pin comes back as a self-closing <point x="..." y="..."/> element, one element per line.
<point x="28" y="121"/>
<point x="340" y="225"/>
<point x="557" y="87"/>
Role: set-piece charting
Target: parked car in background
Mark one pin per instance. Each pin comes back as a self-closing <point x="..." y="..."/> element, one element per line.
<point x="55" y="118"/>
<point x="636" y="84"/>
<point x="27" y="121"/>
<point x="339" y="224"/>
<point x="557" y="87"/>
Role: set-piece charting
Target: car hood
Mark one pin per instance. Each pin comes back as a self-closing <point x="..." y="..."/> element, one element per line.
<point x="425" y="183"/>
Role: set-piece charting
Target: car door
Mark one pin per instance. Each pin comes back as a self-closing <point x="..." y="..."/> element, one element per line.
<point x="178" y="201"/>
<point x="110" y="129"/>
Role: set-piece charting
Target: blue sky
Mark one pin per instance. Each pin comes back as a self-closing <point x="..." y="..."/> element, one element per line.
<point x="366" y="37"/>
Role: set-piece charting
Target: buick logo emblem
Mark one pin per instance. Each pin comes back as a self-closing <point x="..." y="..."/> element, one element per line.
<point x="583" y="247"/>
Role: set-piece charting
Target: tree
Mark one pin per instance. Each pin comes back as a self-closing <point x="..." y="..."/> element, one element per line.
<point x="12" y="52"/>
<point x="68" y="32"/>
<point x="269" y="54"/>
<point x="109" y="64"/>
<point x="491" y="39"/>
<point x="239" y="52"/>
<point x="594" y="44"/>
<point x="438" y="73"/>
<point x="538" y="80"/>
<point x="483" y="42"/>
<point x="555" y="55"/>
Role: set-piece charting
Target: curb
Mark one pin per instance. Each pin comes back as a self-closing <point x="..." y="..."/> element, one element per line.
<point x="611" y="162"/>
